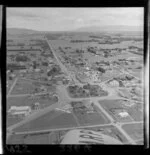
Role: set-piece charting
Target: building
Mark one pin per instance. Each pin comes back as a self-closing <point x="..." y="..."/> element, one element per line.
<point x="123" y="114"/>
<point x="37" y="70"/>
<point x="23" y="71"/>
<point x="36" y="105"/>
<point x="114" y="83"/>
<point x="20" y="110"/>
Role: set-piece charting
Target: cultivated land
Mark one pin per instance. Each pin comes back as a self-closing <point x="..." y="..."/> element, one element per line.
<point x="74" y="80"/>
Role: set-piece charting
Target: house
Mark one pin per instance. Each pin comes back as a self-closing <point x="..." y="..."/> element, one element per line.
<point x="123" y="114"/>
<point x="114" y="83"/>
<point x="23" y="71"/>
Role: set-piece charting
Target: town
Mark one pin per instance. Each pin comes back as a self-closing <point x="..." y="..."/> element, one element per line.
<point x="62" y="84"/>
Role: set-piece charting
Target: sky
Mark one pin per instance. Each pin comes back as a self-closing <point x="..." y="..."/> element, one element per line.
<point x="64" y="19"/>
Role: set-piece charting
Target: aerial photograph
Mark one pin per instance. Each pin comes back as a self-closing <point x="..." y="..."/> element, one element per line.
<point x="75" y="75"/>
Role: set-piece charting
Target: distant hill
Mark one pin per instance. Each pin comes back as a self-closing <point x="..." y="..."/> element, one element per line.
<point x="18" y="31"/>
<point x="109" y="29"/>
<point x="22" y="31"/>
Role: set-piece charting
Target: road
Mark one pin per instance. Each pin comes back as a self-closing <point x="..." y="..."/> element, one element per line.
<point x="15" y="81"/>
<point x="78" y="127"/>
<point x="62" y="66"/>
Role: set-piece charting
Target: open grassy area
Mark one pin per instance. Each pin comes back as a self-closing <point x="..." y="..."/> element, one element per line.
<point x="28" y="101"/>
<point x="28" y="87"/>
<point x="24" y="87"/>
<point x="12" y="120"/>
<point x="51" y="120"/>
<point x="88" y="115"/>
<point x="136" y="131"/>
<point x="42" y="138"/>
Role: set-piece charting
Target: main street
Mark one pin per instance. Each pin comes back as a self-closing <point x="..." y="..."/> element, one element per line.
<point x="62" y="66"/>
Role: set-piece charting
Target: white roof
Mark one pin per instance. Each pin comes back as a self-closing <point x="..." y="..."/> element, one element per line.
<point x="79" y="136"/>
<point x="19" y="108"/>
<point x="123" y="114"/>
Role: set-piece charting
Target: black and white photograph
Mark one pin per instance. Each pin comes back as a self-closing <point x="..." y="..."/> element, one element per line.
<point x="75" y="75"/>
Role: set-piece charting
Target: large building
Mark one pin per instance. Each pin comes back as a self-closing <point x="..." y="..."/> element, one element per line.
<point x="20" y="110"/>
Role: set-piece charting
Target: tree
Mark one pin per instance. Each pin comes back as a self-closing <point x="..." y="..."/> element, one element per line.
<point x="100" y="69"/>
<point x="45" y="63"/>
<point x="21" y="58"/>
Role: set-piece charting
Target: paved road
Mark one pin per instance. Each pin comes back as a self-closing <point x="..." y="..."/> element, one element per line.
<point x="71" y="128"/>
<point x="62" y="66"/>
<point x="59" y="129"/>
